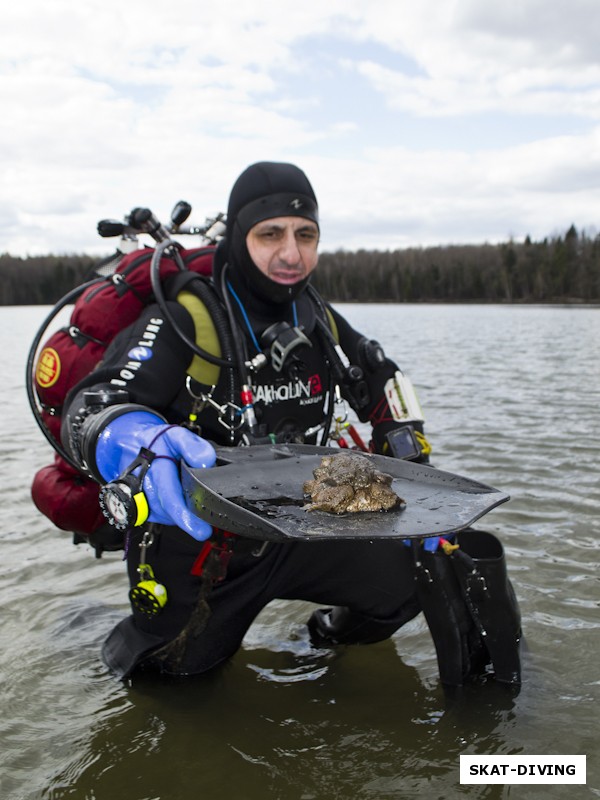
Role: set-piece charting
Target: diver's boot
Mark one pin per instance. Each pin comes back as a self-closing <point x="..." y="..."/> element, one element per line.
<point x="492" y="600"/>
<point x="458" y="646"/>
<point x="340" y="625"/>
<point x="127" y="646"/>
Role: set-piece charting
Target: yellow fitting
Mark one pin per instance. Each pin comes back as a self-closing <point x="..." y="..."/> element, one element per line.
<point x="449" y="548"/>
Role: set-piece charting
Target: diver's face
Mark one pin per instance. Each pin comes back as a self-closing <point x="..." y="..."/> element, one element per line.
<point x="284" y="248"/>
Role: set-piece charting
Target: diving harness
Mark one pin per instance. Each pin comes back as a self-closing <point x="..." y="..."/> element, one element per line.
<point x="122" y="501"/>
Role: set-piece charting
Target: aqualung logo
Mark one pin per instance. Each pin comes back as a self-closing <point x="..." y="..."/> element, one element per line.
<point x="306" y="392"/>
<point x="140" y="353"/>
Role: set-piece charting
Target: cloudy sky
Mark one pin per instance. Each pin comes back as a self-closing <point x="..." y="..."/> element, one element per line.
<point x="418" y="123"/>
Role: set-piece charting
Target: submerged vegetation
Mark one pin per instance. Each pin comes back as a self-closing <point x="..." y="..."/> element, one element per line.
<point x="558" y="269"/>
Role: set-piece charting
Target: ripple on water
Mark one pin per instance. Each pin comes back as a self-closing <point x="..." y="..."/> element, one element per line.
<point x="283" y="720"/>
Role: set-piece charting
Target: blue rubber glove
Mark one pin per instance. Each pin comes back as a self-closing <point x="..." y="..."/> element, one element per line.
<point x="119" y="445"/>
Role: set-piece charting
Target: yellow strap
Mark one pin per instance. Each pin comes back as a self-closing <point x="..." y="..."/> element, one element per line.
<point x="143" y="510"/>
<point x="423" y="443"/>
<point x="206" y="337"/>
<point x="332" y="325"/>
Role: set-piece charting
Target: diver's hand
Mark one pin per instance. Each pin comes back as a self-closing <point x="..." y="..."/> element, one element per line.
<point x="119" y="445"/>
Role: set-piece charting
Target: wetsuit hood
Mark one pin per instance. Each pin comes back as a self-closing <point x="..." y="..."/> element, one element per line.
<point x="263" y="191"/>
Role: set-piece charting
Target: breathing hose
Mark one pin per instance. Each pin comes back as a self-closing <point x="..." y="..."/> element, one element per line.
<point x="162" y="303"/>
<point x="222" y="326"/>
<point x="70" y="297"/>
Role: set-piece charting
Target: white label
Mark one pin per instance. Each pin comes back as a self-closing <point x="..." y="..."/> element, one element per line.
<point x="523" y="769"/>
<point x="402" y="399"/>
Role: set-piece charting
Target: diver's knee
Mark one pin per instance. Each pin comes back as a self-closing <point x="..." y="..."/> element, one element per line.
<point x="340" y="625"/>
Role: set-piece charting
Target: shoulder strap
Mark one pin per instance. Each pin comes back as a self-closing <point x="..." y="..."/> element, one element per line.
<point x="332" y="324"/>
<point x="206" y="336"/>
<point x="323" y="311"/>
<point x="201" y="370"/>
<point x="354" y="387"/>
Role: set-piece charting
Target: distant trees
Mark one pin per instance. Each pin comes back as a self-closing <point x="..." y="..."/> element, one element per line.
<point x="39" y="280"/>
<point x="558" y="269"/>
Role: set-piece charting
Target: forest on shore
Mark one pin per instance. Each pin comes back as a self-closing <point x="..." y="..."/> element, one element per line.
<point x="559" y="269"/>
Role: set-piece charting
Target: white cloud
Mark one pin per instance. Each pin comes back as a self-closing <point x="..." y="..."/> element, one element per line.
<point x="110" y="105"/>
<point x="526" y="58"/>
<point x="398" y="197"/>
<point x="523" y="91"/>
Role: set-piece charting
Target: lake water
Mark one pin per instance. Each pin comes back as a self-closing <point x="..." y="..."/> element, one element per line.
<point x="512" y="398"/>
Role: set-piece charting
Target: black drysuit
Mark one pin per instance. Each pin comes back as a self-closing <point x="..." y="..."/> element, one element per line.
<point x="374" y="580"/>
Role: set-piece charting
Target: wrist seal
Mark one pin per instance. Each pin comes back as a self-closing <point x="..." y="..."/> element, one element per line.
<point x="87" y="403"/>
<point x="99" y="409"/>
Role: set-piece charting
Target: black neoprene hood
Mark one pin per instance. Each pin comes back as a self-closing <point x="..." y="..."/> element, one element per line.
<point x="265" y="190"/>
<point x="270" y="189"/>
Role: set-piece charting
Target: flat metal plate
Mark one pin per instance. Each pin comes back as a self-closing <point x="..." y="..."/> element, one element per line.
<point x="257" y="492"/>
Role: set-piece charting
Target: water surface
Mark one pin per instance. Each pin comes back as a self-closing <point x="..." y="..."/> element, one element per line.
<point x="511" y="396"/>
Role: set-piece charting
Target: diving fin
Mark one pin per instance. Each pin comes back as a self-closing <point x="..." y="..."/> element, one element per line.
<point x="491" y="599"/>
<point x="470" y="608"/>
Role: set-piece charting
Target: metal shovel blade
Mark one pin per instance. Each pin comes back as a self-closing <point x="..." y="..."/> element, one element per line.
<point x="257" y="492"/>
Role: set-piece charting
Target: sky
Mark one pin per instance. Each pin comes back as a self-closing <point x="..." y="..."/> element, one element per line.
<point x="418" y="123"/>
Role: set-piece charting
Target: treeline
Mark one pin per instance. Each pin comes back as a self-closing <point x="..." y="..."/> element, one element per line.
<point x="558" y="269"/>
<point x="41" y="280"/>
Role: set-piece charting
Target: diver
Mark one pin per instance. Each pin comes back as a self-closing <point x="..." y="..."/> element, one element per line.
<point x="281" y="357"/>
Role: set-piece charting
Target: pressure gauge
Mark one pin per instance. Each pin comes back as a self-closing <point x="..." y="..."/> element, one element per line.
<point x="123" y="503"/>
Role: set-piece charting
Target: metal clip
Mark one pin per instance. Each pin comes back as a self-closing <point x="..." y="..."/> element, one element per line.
<point x="147" y="541"/>
<point x="339" y="401"/>
<point x="205" y="399"/>
<point x="200" y="397"/>
<point x="314" y="430"/>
